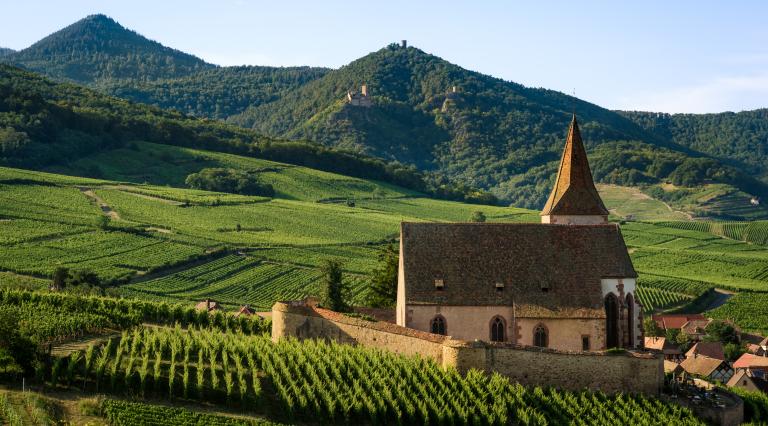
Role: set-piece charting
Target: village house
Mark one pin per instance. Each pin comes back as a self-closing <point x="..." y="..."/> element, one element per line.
<point x="710" y="369"/>
<point x="744" y="379"/>
<point x="670" y="350"/>
<point x="709" y="349"/>
<point x="676" y="321"/>
<point x="567" y="283"/>
<point x="246" y="311"/>
<point x="695" y="329"/>
<point x="756" y="365"/>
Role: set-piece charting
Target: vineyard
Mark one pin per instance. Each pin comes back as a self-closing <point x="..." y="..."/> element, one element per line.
<point x="49" y="317"/>
<point x="755" y="232"/>
<point x="319" y="382"/>
<point x="123" y="413"/>
<point x="234" y="280"/>
<point x="748" y="310"/>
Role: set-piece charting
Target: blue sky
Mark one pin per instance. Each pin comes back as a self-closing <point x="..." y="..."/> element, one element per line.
<point x="671" y="56"/>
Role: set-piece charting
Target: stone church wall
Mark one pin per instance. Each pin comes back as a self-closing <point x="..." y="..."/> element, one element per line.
<point x="624" y="372"/>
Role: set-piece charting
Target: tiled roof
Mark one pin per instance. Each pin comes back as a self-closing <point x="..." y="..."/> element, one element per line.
<point x="547" y="270"/>
<point x="708" y="349"/>
<point x="695" y="326"/>
<point x="671" y="367"/>
<point x="675" y="320"/>
<point x="661" y="344"/>
<point x="740" y="375"/>
<point x="574" y="192"/>
<point x="748" y="360"/>
<point x="701" y="365"/>
<point x="245" y="310"/>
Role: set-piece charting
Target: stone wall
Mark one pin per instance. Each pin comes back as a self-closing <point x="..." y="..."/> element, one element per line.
<point x="624" y="372"/>
<point x="306" y="322"/>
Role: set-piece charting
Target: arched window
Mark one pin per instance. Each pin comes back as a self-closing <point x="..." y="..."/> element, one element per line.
<point x="540" y="337"/>
<point x="611" y="321"/>
<point x="437" y="326"/>
<point x="498" y="327"/>
<point x="630" y="321"/>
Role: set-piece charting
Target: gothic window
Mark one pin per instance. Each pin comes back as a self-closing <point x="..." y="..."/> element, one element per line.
<point x="437" y="325"/>
<point x="630" y="320"/>
<point x="611" y="321"/>
<point x="540" y="336"/>
<point x="498" y="328"/>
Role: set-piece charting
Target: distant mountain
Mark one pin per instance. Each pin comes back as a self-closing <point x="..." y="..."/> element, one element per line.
<point x="488" y="133"/>
<point x="4" y="51"/>
<point x="97" y="48"/>
<point x="99" y="52"/>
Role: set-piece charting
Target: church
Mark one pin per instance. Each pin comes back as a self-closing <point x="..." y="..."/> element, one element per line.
<point x="566" y="283"/>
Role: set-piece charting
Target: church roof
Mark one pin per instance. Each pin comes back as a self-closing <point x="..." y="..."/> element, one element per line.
<point x="574" y="192"/>
<point x="547" y="270"/>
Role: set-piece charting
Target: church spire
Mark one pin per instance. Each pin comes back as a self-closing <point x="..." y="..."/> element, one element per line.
<point x="574" y="199"/>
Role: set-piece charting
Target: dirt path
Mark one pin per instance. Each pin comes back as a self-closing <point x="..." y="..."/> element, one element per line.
<point x="105" y="208"/>
<point x="81" y="344"/>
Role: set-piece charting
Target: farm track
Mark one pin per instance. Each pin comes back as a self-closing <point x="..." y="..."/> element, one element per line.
<point x="105" y="208"/>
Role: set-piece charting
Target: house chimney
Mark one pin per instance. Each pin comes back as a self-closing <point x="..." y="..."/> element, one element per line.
<point x="404" y="44"/>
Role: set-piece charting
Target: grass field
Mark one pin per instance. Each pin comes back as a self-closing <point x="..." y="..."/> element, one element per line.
<point x="162" y="242"/>
<point x="624" y="202"/>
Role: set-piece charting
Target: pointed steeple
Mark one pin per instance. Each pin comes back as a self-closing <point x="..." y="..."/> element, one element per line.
<point x="574" y="199"/>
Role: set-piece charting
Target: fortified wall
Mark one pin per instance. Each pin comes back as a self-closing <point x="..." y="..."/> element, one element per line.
<point x="625" y="372"/>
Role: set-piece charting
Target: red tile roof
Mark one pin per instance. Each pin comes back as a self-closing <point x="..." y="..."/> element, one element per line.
<point x="574" y="192"/>
<point x="547" y="270"/>
<point x="748" y="360"/>
<point x="245" y="310"/>
<point x="708" y="349"/>
<point x="675" y="320"/>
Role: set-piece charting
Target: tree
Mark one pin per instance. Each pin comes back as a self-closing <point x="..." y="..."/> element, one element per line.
<point x="383" y="291"/>
<point x="733" y="351"/>
<point x="477" y="216"/>
<point x="335" y="287"/>
<point x="229" y="180"/>
<point x="721" y="331"/>
<point x="60" y="276"/>
<point x="651" y="328"/>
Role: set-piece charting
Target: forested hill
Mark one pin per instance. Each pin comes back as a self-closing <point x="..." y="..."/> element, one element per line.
<point x="490" y="133"/>
<point x="97" y="48"/>
<point x="5" y="51"/>
<point x="43" y="123"/>
<point x="739" y="137"/>
<point x="99" y="52"/>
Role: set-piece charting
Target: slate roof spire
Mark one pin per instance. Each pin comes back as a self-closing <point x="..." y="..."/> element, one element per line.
<point x="574" y="193"/>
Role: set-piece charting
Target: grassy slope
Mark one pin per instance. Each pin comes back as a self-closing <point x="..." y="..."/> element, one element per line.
<point x="48" y="221"/>
<point x="623" y="201"/>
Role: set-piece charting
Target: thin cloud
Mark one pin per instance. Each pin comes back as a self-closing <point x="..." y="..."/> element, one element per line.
<point x="718" y="95"/>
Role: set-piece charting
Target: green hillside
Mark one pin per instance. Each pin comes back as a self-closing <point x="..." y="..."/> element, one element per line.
<point x="98" y="52"/>
<point x="490" y="133"/>
<point x="5" y="51"/>
<point x="96" y="48"/>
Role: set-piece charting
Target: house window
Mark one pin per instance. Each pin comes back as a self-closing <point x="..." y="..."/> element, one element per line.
<point x="540" y="336"/>
<point x="498" y="327"/>
<point x="437" y="325"/>
<point x="439" y="284"/>
<point x="499" y="287"/>
<point x="544" y="287"/>
<point x="584" y="343"/>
